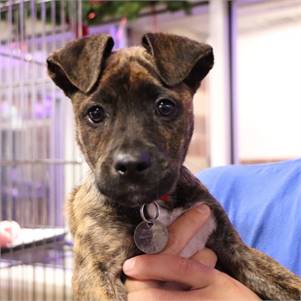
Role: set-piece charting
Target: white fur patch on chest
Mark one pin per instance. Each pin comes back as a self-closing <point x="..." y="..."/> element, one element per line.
<point x="199" y="241"/>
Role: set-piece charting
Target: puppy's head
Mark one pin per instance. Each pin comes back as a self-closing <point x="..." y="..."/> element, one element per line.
<point x="133" y="109"/>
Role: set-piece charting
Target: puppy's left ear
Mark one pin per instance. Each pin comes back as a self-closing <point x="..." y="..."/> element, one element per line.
<point x="78" y="65"/>
<point x="179" y="59"/>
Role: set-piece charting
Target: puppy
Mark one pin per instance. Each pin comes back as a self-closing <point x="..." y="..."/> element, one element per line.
<point x="134" y="121"/>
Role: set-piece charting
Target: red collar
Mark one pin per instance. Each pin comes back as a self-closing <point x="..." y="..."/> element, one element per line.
<point x="164" y="197"/>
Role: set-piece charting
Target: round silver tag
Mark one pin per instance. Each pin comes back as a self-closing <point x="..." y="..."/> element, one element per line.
<point x="151" y="237"/>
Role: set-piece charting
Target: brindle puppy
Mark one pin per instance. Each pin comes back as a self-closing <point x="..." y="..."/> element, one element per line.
<point x="134" y="120"/>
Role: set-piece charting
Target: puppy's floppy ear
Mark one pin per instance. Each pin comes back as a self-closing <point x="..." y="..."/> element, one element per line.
<point x="179" y="59"/>
<point x="78" y="65"/>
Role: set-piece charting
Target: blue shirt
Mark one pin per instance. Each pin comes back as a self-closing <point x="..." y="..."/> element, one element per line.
<point x="263" y="202"/>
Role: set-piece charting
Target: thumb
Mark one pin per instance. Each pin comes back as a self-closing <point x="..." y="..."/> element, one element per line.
<point x="205" y="256"/>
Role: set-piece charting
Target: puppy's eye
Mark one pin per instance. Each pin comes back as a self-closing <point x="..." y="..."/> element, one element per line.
<point x="166" y="107"/>
<point x="96" y="114"/>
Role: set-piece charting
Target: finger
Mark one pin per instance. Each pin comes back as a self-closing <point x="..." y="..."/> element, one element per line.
<point x="206" y="256"/>
<point x="133" y="285"/>
<point x="156" y="294"/>
<point x="185" y="227"/>
<point x="175" y="269"/>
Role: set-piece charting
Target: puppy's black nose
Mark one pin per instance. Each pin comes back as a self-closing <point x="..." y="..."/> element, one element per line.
<point x="129" y="164"/>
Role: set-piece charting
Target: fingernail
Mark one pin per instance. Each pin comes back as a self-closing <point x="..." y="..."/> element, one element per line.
<point x="129" y="265"/>
<point x="203" y="209"/>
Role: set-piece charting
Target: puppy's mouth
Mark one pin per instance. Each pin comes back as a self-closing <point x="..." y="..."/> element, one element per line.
<point x="131" y="195"/>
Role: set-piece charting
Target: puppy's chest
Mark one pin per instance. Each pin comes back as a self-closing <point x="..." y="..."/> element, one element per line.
<point x="199" y="240"/>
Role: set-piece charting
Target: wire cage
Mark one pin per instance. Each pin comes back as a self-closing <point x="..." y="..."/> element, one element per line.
<point x="39" y="162"/>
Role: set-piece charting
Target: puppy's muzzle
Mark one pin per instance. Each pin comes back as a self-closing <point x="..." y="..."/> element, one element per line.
<point x="132" y="176"/>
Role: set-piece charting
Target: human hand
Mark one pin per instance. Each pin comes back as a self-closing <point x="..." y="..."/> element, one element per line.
<point x="9" y="230"/>
<point x="167" y="276"/>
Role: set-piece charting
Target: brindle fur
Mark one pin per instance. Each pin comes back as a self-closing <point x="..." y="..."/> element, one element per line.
<point x="102" y="212"/>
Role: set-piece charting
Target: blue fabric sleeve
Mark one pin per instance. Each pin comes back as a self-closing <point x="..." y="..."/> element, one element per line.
<point x="263" y="202"/>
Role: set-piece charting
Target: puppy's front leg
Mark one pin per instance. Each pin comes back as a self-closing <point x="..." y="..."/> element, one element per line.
<point x="257" y="271"/>
<point x="101" y="244"/>
<point x="97" y="271"/>
<point x="268" y="278"/>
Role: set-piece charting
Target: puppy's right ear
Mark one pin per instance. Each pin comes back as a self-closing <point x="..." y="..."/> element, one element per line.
<point x="78" y="65"/>
<point x="179" y="59"/>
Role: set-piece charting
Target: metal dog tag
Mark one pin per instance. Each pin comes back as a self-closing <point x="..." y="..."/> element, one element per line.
<point x="150" y="235"/>
<point x="151" y="238"/>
